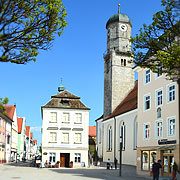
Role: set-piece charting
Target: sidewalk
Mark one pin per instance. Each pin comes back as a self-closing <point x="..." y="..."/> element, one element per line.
<point x="128" y="170"/>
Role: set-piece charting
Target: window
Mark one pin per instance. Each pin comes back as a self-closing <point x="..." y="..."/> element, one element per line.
<point x="124" y="62"/>
<point x="148" y="157"/>
<point x="53" y="117"/>
<point x="99" y="135"/>
<point x="171" y="126"/>
<point x="146" y="130"/>
<point x="8" y="139"/>
<point x="52" y="137"/>
<point x="77" y="157"/>
<point x="122" y="134"/>
<point x="159" y="73"/>
<point x="65" y="138"/>
<point x="109" y="143"/>
<point x="4" y="122"/>
<point x="147" y="76"/>
<point x="171" y="93"/>
<point x="66" y="118"/>
<point x="135" y="133"/>
<point x="147" y="101"/>
<point x="52" y="157"/>
<point x="159" y="129"/>
<point x="77" y="138"/>
<point x="78" y="119"/>
<point x="159" y="97"/>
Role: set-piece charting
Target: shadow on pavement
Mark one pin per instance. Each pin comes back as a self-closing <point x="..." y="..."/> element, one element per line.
<point x="20" y="164"/>
<point x="128" y="173"/>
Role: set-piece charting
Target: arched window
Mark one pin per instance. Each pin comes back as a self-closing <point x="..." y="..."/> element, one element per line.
<point x="99" y="135"/>
<point x="122" y="134"/>
<point x="109" y="138"/>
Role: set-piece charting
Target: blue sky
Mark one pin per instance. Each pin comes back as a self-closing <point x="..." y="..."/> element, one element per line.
<point x="76" y="56"/>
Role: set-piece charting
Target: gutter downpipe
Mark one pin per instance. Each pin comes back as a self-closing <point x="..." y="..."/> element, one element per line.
<point x="114" y="137"/>
<point x="178" y="82"/>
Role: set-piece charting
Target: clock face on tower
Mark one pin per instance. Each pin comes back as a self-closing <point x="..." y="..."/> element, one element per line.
<point x="123" y="27"/>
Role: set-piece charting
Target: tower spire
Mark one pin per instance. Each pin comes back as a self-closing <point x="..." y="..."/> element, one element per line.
<point x="119" y="8"/>
<point x="61" y="87"/>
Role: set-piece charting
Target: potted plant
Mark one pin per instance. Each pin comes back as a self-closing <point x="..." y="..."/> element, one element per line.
<point x="175" y="169"/>
<point x="58" y="162"/>
<point x="71" y="164"/>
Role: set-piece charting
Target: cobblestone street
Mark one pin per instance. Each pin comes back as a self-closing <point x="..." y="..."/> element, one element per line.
<point x="22" y="171"/>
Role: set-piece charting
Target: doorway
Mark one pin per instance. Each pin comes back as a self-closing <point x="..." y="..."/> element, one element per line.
<point x="167" y="162"/>
<point x="64" y="159"/>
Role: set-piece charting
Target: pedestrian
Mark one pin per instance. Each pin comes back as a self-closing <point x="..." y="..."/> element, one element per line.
<point x="155" y="169"/>
<point x="115" y="163"/>
<point x="108" y="163"/>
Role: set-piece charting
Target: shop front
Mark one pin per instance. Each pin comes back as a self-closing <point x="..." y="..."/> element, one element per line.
<point x="167" y="154"/>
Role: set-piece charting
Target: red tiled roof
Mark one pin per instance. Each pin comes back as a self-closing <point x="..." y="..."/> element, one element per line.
<point x="27" y="130"/>
<point x="92" y="131"/>
<point x="35" y="141"/>
<point x="31" y="135"/>
<point x="19" y="123"/>
<point x="10" y="109"/>
<point x="128" y="104"/>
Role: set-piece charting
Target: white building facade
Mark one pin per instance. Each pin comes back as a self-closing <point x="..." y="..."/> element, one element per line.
<point x="65" y="130"/>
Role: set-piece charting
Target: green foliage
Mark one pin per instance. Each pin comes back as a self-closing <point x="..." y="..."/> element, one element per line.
<point x="27" y="26"/>
<point x="3" y="102"/>
<point x="159" y="43"/>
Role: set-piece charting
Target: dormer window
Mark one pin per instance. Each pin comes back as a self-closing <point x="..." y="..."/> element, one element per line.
<point x="65" y="102"/>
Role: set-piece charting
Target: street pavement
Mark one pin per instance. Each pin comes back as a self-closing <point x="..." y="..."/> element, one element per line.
<point x="22" y="171"/>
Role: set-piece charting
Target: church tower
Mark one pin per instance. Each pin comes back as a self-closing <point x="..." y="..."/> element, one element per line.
<point x="118" y="73"/>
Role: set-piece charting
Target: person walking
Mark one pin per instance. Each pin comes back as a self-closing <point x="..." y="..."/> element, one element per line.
<point x="115" y="163"/>
<point x="155" y="169"/>
<point x="108" y="164"/>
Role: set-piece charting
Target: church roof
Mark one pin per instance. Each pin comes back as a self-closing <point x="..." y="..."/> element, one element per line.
<point x="128" y="104"/>
<point x="65" y="100"/>
<point x="118" y="18"/>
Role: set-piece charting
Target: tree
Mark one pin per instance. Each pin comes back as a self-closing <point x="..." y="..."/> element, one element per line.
<point x="158" y="45"/>
<point x="27" y="26"/>
<point x="2" y="102"/>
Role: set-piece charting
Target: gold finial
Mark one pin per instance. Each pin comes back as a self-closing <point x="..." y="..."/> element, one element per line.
<point x="119" y="8"/>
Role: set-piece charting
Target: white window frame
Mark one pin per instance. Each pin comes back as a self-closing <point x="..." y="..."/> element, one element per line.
<point x="158" y="74"/>
<point x="52" y="154"/>
<point x="78" y="118"/>
<point x="168" y="92"/>
<point x="146" y="95"/>
<point x="158" y="127"/>
<point x="168" y="126"/>
<point x="53" y="117"/>
<point x="147" y="76"/>
<point x="145" y="129"/>
<point x="157" y="97"/>
<point x="52" y="137"/>
<point x="64" y="121"/>
<point x="65" y="140"/>
<point x="122" y="131"/>
<point x="77" y="157"/>
<point x="77" y="138"/>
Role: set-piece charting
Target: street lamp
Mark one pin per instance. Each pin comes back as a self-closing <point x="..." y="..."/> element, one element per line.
<point x="120" y="156"/>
